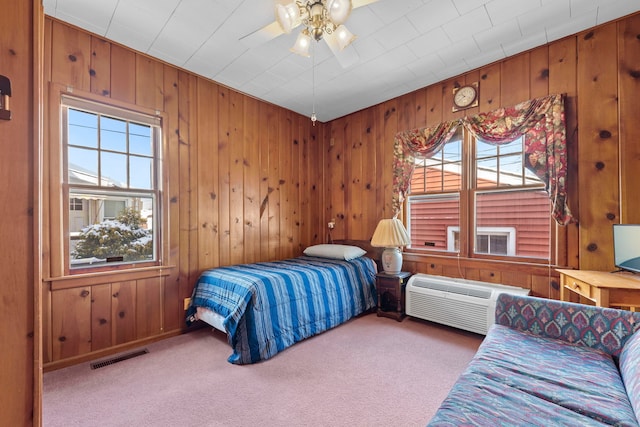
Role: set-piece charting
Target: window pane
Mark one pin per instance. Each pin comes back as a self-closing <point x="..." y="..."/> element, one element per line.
<point x="511" y="170"/>
<point x="434" y="222"/>
<point x="114" y="170"/>
<point x="484" y="149"/>
<point x="482" y="244"/>
<point x="515" y="223"/>
<point x="113" y="134"/>
<point x="487" y="173"/>
<point x="441" y="171"/>
<point x="82" y="128"/>
<point x="113" y="228"/>
<point x="82" y="166"/>
<point x="498" y="244"/>
<point x="140" y="139"/>
<point x="452" y="151"/>
<point x="113" y="208"/>
<point x="502" y="165"/>
<point x="140" y="172"/>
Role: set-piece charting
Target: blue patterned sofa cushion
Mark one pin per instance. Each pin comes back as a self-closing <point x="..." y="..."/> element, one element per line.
<point x="529" y="380"/>
<point x="550" y="363"/>
<point x="630" y="371"/>
<point x="605" y="329"/>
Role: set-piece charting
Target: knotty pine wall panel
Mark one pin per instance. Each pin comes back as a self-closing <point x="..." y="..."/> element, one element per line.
<point x="593" y="69"/>
<point x="100" y="71"/>
<point x="251" y="177"/>
<point x="562" y="79"/>
<point x="598" y="149"/>
<point x="629" y="82"/>
<point x="489" y="88"/>
<point x="101" y="323"/>
<point x="514" y="80"/>
<point x="71" y="322"/>
<point x="122" y="68"/>
<point x="71" y="57"/>
<point x="208" y="190"/>
<point x="242" y="184"/>
<point x="173" y="307"/>
<point x="123" y="311"/>
<point x="336" y="179"/>
<point x="387" y="128"/>
<point x="148" y="316"/>
<point x="271" y="200"/>
<point x="539" y="72"/>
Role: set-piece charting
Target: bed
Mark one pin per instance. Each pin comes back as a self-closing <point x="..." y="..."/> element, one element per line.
<point x="267" y="307"/>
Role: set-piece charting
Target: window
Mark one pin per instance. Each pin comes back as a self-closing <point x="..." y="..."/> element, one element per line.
<point x="478" y="199"/>
<point x="75" y="204"/>
<point x="112" y="168"/>
<point x="489" y="240"/>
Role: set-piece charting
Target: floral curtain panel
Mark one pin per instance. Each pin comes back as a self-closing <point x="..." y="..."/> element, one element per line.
<point x="540" y="121"/>
<point x="412" y="145"/>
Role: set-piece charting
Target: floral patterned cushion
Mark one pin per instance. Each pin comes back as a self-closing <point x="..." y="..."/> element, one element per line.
<point x="630" y="371"/>
<point x="521" y="379"/>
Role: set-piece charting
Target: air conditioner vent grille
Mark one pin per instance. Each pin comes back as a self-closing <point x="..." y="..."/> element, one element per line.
<point x="460" y="303"/>
<point x="454" y="288"/>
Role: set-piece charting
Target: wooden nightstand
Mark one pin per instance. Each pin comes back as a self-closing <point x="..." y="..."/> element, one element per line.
<point x="390" y="289"/>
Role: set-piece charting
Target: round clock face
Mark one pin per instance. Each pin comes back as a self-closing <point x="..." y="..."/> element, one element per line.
<point x="465" y="96"/>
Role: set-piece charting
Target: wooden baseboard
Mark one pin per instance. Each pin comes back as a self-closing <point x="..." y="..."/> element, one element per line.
<point x="59" y="364"/>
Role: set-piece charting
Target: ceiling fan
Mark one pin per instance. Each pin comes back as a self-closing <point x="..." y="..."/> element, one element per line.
<point x="321" y="19"/>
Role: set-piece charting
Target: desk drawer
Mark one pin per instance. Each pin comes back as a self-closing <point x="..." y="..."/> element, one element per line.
<point x="578" y="286"/>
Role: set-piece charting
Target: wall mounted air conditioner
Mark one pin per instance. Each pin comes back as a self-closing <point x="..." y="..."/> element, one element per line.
<point x="461" y="303"/>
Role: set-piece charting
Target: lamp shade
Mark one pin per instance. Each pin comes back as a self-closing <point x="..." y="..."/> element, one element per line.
<point x="345" y="37"/>
<point x="390" y="233"/>
<point x="303" y="42"/>
<point x="288" y="16"/>
<point x="338" y="10"/>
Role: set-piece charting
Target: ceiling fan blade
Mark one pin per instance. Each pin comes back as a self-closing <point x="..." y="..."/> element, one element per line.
<point x="262" y="35"/>
<point x="347" y="56"/>
<point x="360" y="3"/>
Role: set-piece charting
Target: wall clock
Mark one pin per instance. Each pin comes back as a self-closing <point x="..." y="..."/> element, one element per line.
<point x="465" y="96"/>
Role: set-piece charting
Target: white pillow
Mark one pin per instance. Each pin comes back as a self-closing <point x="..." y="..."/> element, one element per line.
<point x="335" y="251"/>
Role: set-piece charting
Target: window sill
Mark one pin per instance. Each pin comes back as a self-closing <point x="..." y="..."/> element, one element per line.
<point x="95" y="278"/>
<point x="421" y="256"/>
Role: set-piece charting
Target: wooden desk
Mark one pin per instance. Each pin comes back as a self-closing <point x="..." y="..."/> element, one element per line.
<point x="603" y="288"/>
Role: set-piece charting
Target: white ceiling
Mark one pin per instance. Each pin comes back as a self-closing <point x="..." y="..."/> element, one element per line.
<point x="403" y="45"/>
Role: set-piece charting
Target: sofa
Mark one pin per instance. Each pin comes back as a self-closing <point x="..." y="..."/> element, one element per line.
<point x="550" y="363"/>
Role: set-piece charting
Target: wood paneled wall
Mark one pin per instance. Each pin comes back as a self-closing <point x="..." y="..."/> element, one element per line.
<point x="598" y="70"/>
<point x="249" y="181"/>
<point x="243" y="183"/>
<point x="20" y="378"/>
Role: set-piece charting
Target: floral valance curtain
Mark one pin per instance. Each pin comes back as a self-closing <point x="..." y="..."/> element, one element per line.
<point x="540" y="121"/>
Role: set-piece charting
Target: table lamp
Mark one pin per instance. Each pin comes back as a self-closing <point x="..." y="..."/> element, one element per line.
<point x="391" y="234"/>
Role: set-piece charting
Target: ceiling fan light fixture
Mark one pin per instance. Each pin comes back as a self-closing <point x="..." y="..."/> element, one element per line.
<point x="303" y="42"/>
<point x="288" y="16"/>
<point x="344" y="36"/>
<point x="338" y="10"/>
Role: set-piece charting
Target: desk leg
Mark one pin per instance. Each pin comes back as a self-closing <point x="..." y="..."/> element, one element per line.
<point x="563" y="291"/>
<point x="601" y="296"/>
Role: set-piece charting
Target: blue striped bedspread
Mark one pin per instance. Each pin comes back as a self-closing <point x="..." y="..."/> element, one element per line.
<point x="269" y="306"/>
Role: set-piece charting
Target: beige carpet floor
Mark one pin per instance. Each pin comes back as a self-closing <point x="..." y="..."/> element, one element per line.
<point x="370" y="371"/>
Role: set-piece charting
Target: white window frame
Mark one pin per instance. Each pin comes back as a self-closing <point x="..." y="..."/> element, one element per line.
<point x="155" y="122"/>
<point x="510" y="232"/>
